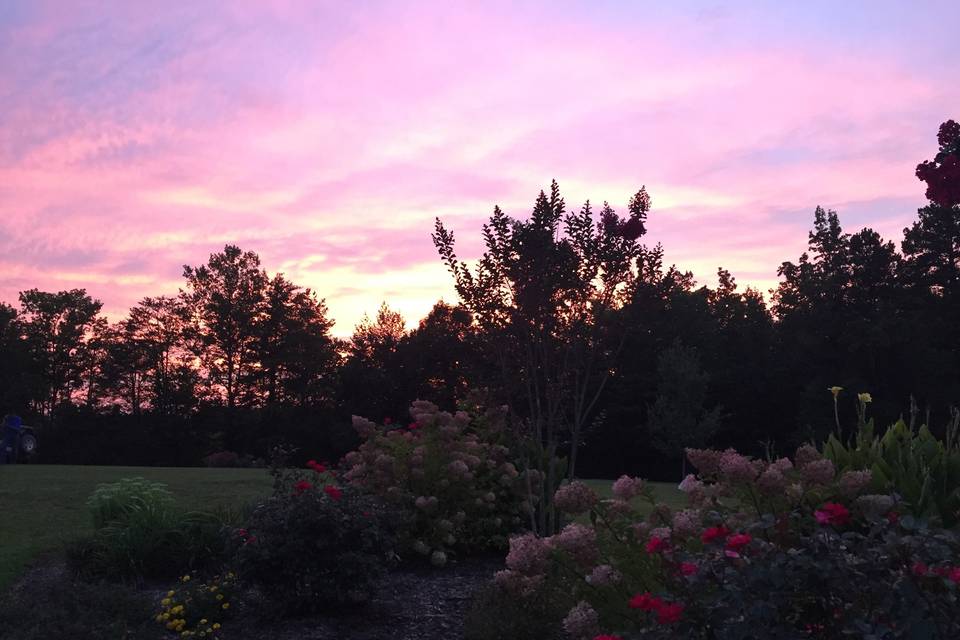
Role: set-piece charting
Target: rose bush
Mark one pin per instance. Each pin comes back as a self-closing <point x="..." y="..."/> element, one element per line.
<point x="316" y="543"/>
<point x="451" y="473"/>
<point x="787" y="548"/>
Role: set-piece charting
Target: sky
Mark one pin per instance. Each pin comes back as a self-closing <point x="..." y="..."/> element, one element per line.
<point x="137" y="137"/>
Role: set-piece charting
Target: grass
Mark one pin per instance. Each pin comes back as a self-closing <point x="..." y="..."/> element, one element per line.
<point x="665" y="492"/>
<point x="42" y="506"/>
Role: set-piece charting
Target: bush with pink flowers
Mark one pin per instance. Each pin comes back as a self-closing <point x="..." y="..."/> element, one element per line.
<point x="452" y="474"/>
<point x="785" y="548"/>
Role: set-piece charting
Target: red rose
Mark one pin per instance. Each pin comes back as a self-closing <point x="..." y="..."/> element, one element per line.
<point x="832" y="513"/>
<point x="687" y="568"/>
<point x="334" y="492"/>
<point x="714" y="533"/>
<point x="645" y="602"/>
<point x="301" y="486"/>
<point x="739" y="541"/>
<point x="656" y="545"/>
<point x="919" y="569"/>
<point x="668" y="613"/>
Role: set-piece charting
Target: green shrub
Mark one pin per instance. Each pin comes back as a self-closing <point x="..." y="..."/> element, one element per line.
<point x="450" y="473"/>
<point x="112" y="501"/>
<point x="314" y="545"/>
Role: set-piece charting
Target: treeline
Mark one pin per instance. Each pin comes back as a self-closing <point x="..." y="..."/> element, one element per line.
<point x="239" y="359"/>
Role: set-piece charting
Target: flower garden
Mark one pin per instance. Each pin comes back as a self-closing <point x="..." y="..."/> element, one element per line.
<point x="854" y="538"/>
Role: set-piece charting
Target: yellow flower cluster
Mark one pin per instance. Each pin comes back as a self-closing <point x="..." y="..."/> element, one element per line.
<point x="174" y="614"/>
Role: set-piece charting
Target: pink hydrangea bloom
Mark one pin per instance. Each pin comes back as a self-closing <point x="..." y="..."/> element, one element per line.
<point x="818" y="472"/>
<point x="736" y="467"/>
<point x="627" y="488"/>
<point x="806" y="454"/>
<point x="604" y="575"/>
<point x="852" y="483"/>
<point x="707" y="461"/>
<point x="772" y="481"/>
<point x="577" y="540"/>
<point x="686" y="522"/>
<point x="582" y="621"/>
<point x="575" y="498"/>
<point x="528" y="554"/>
<point x="690" y="484"/>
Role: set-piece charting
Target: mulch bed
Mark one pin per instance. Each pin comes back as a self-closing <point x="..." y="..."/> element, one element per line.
<point x="411" y="603"/>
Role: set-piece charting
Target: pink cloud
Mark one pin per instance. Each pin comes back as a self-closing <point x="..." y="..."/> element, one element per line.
<point x="328" y="136"/>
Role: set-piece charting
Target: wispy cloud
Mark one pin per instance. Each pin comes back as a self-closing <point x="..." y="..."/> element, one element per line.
<point x="327" y="136"/>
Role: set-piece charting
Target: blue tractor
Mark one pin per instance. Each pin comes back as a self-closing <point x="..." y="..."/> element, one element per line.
<point x="19" y="441"/>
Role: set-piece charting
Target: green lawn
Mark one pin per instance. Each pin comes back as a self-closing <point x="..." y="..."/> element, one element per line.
<point x="41" y="506"/>
<point x="665" y="492"/>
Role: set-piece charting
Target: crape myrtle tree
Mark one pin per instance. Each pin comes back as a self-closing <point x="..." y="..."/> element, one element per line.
<point x="931" y="272"/>
<point x="543" y="294"/>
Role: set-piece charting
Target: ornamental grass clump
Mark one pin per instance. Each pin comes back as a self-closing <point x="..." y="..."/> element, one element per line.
<point x="450" y="473"/>
<point x="784" y="548"/>
<point x="140" y="532"/>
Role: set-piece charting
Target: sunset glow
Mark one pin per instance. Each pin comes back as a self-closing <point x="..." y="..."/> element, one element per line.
<point x="328" y="136"/>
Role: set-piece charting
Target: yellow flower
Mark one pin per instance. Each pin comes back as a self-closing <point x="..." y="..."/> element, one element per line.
<point x="835" y="391"/>
<point x="231" y="575"/>
<point x="185" y="579"/>
<point x="219" y="596"/>
<point x="203" y="621"/>
<point x="171" y="625"/>
<point x="185" y="634"/>
<point x="165" y="601"/>
<point x="865" y="397"/>
<point x="160" y="618"/>
<point x="225" y="605"/>
<point x="171" y="593"/>
<point x="209" y="630"/>
<point x="213" y="588"/>
<point x="166" y="616"/>
<point x="216" y="625"/>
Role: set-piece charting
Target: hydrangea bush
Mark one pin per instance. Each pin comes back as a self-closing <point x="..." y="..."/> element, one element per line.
<point x="787" y="548"/>
<point x="451" y="473"/>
